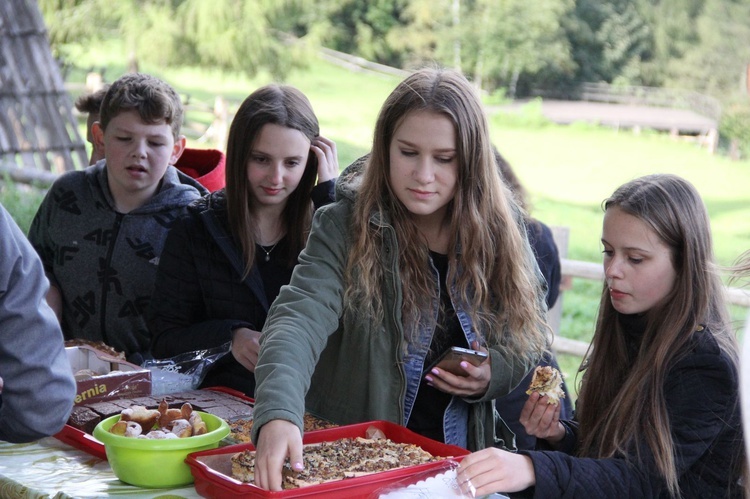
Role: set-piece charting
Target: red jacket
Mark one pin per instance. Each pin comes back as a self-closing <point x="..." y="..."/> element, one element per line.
<point x="204" y="165"/>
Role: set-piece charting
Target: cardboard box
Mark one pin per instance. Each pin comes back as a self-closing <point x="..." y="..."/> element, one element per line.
<point x="106" y="377"/>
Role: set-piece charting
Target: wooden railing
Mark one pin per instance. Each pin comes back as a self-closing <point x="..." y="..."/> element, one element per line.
<point x="702" y="104"/>
<point x="652" y="96"/>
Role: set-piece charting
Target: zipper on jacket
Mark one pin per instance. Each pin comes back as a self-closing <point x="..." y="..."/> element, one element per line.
<point x="105" y="282"/>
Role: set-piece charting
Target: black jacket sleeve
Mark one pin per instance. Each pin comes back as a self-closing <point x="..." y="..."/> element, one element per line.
<point x="547" y="257"/>
<point x="701" y="393"/>
<point x="324" y="193"/>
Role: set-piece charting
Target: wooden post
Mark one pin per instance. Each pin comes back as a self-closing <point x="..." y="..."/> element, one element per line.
<point x="561" y="235"/>
<point x="220" y="125"/>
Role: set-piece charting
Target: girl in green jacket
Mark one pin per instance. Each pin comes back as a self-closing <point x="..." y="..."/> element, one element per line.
<point x="424" y="249"/>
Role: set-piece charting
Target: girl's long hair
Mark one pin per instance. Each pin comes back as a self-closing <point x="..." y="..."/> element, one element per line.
<point x="622" y="401"/>
<point x="285" y="106"/>
<point x="496" y="273"/>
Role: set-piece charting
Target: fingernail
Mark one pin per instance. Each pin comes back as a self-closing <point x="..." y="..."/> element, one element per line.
<point x="298" y="466"/>
<point x="428" y="379"/>
<point x="435" y="372"/>
<point x="464" y="364"/>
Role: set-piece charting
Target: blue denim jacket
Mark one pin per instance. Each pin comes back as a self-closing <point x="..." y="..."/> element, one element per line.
<point x="456" y="417"/>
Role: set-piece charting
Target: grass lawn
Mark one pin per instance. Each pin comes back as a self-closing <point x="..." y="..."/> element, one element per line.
<point x="568" y="170"/>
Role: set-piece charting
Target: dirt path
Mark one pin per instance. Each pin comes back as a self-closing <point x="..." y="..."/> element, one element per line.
<point x="618" y="115"/>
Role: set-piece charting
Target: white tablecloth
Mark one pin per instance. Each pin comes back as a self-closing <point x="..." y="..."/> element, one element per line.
<point x="49" y="468"/>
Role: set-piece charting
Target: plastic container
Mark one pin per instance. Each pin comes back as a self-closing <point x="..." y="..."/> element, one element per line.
<point x="81" y="441"/>
<point x="212" y="468"/>
<point x="157" y="463"/>
<point x="86" y="443"/>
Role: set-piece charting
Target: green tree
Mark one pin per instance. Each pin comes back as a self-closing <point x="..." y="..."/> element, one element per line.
<point x="495" y="42"/>
<point x="229" y="34"/>
<point x="504" y="40"/>
<point x="672" y="24"/>
<point x="237" y="35"/>
<point x="76" y="21"/>
<point x="735" y="128"/>
<point x="717" y="64"/>
<point x="426" y="34"/>
<point x="609" y="40"/>
<point x="358" y="27"/>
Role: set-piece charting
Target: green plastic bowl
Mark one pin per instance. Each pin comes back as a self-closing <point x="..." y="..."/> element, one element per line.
<point x="157" y="463"/>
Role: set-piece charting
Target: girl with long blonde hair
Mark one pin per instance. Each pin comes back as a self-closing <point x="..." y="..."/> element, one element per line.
<point x="423" y="250"/>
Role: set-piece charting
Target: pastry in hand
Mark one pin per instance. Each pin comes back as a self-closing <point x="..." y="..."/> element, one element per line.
<point x="547" y="381"/>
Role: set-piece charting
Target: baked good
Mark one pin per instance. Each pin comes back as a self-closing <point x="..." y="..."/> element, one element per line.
<point x="84" y="419"/>
<point x="98" y="346"/>
<point x="547" y="381"/>
<point x="145" y="418"/>
<point x="167" y="415"/>
<point x="240" y="429"/>
<point x="86" y="416"/>
<point x="338" y="460"/>
<point x="139" y="422"/>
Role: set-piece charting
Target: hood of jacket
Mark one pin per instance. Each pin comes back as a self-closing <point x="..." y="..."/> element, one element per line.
<point x="176" y="189"/>
<point x="350" y="179"/>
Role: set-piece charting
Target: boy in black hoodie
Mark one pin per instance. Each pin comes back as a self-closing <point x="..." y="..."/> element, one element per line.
<point x="100" y="231"/>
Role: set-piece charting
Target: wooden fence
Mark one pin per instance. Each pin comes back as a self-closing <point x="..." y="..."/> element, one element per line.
<point x="702" y="104"/>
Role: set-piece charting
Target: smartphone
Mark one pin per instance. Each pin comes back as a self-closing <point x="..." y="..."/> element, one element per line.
<point x="451" y="359"/>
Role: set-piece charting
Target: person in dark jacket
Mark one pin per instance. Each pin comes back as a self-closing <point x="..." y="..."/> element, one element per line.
<point x="548" y="258"/>
<point x="225" y="261"/>
<point x="742" y="271"/>
<point x="658" y="412"/>
<point x="100" y="231"/>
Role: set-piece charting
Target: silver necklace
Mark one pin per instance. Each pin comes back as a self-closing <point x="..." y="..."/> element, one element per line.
<point x="268" y="252"/>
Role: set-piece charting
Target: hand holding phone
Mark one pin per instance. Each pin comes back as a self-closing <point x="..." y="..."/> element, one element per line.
<point x="451" y="359"/>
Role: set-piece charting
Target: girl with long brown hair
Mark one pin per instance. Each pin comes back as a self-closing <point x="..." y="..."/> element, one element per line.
<point x="424" y="249"/>
<point x="657" y="414"/>
<point x="225" y="261"/>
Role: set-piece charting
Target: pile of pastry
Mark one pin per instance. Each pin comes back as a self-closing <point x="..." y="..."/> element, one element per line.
<point x="162" y="423"/>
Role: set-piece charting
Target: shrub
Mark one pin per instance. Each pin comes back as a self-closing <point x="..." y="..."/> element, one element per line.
<point x="735" y="128"/>
<point x="21" y="201"/>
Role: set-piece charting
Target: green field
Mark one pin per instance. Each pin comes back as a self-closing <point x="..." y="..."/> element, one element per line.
<point x="568" y="170"/>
